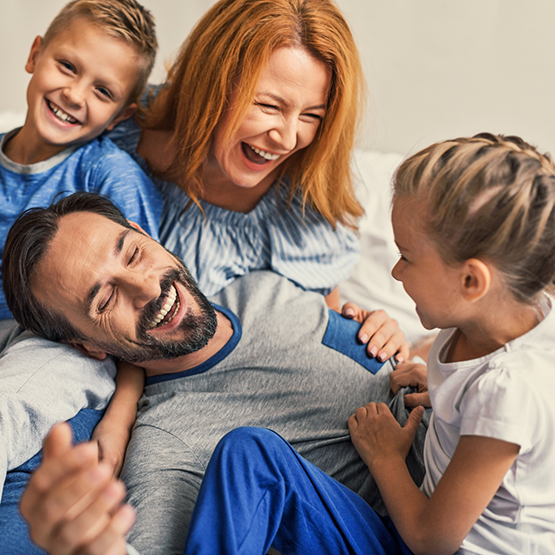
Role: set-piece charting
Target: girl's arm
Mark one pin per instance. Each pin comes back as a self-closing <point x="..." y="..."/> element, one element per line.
<point x="114" y="430"/>
<point x="437" y="525"/>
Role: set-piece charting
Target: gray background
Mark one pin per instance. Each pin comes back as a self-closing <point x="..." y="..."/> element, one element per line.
<point x="435" y="69"/>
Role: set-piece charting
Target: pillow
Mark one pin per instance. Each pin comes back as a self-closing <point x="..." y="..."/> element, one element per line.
<point x="371" y="285"/>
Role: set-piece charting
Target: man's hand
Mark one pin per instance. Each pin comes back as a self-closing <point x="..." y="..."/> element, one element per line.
<point x="72" y="503"/>
<point x="379" y="332"/>
<point x="414" y="375"/>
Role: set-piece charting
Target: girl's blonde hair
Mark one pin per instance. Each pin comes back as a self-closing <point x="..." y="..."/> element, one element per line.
<point x="226" y="53"/>
<point x="488" y="197"/>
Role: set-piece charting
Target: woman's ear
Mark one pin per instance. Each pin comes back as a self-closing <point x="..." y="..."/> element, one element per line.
<point x="476" y="279"/>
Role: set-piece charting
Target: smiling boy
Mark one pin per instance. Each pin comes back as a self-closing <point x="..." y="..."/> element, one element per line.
<point x="86" y="75"/>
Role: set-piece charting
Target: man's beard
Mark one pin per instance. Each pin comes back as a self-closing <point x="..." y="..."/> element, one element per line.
<point x="197" y="329"/>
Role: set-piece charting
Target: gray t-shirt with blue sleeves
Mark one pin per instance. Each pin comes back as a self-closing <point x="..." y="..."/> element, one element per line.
<point x="283" y="369"/>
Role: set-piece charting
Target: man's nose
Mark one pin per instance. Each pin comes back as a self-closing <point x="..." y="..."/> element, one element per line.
<point x="143" y="287"/>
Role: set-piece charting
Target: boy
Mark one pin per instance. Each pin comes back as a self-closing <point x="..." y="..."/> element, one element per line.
<point x="87" y="74"/>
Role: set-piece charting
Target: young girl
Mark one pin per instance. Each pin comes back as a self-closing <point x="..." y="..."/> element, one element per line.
<point x="474" y="220"/>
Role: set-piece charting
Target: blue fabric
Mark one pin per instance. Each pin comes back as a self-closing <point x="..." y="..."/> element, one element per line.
<point x="259" y="492"/>
<point x="279" y="234"/>
<point x="99" y="166"/>
<point x="341" y="335"/>
<point x="14" y="534"/>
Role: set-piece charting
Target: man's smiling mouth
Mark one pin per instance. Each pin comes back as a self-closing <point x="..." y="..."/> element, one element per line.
<point x="168" y="311"/>
<point x="60" y="114"/>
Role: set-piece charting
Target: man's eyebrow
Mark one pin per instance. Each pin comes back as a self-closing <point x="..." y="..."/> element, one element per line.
<point x="93" y="291"/>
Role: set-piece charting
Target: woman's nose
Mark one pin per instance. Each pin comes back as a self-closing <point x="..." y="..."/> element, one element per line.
<point x="284" y="135"/>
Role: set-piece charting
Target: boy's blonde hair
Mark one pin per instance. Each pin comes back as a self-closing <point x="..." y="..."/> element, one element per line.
<point x="123" y="19"/>
<point x="226" y="53"/>
<point x="490" y="197"/>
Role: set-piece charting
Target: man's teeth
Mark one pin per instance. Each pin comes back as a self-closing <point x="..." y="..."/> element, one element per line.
<point x="264" y="154"/>
<point x="60" y="114"/>
<point x="168" y="305"/>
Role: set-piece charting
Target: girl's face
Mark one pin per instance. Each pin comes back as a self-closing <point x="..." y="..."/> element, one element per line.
<point x="432" y="284"/>
<point x="288" y="107"/>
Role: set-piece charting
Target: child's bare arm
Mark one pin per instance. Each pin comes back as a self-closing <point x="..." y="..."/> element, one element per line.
<point x="437" y="525"/>
<point x="114" y="430"/>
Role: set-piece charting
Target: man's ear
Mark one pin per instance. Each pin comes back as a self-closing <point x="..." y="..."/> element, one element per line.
<point x="136" y="226"/>
<point x="88" y="349"/>
<point x="34" y="55"/>
<point x="126" y="112"/>
<point x="476" y="279"/>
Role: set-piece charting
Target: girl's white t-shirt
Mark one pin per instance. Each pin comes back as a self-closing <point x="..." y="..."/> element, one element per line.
<point x="508" y="395"/>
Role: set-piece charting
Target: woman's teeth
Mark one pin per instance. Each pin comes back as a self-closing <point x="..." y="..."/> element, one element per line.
<point x="168" y="305"/>
<point x="264" y="154"/>
<point x="60" y="114"/>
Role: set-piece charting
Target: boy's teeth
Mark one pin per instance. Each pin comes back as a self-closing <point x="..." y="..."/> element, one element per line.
<point x="168" y="304"/>
<point x="264" y="154"/>
<point x="60" y="114"/>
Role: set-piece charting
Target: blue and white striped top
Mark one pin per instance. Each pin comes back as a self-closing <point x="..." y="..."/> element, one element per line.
<point x="221" y="245"/>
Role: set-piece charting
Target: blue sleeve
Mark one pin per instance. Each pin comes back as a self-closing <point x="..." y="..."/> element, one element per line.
<point x="116" y="175"/>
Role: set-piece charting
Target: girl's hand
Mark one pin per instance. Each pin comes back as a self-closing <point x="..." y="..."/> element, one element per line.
<point x="380" y="332"/>
<point x="377" y="436"/>
<point x="414" y="375"/>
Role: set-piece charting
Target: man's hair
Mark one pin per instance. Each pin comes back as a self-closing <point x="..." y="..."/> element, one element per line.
<point x="27" y="243"/>
<point x="226" y="53"/>
<point x="490" y="197"/>
<point x="126" y="20"/>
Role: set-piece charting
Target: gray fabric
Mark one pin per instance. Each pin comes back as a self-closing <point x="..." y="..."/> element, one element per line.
<point x="279" y="376"/>
<point x="43" y="383"/>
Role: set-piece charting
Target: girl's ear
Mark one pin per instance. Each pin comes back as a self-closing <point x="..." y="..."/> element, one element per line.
<point x="476" y="279"/>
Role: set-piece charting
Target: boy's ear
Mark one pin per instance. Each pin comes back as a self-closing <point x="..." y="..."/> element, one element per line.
<point x="125" y="113"/>
<point x="476" y="279"/>
<point x="34" y="55"/>
<point x="89" y="350"/>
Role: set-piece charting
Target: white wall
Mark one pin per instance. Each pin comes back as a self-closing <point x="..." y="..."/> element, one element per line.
<point x="435" y="68"/>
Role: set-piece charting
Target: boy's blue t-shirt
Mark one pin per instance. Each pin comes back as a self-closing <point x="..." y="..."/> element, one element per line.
<point x="98" y="166"/>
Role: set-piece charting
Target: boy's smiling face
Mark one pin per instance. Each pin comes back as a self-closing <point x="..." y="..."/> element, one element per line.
<point x="80" y="86"/>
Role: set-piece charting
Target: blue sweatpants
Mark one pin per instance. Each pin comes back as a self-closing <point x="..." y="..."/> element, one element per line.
<point x="259" y="492"/>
